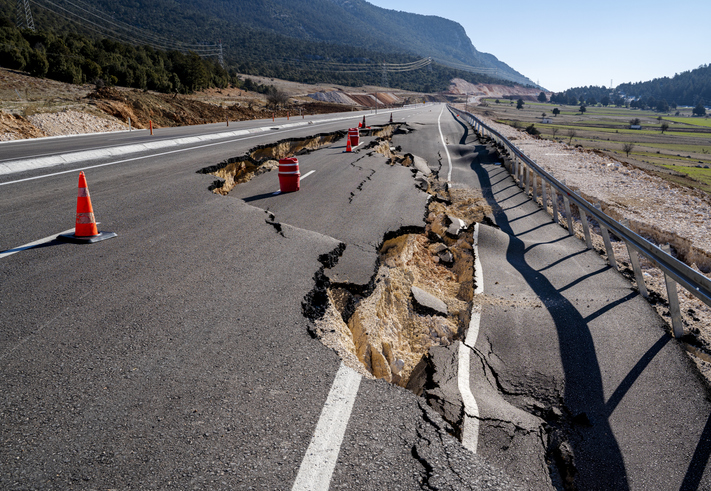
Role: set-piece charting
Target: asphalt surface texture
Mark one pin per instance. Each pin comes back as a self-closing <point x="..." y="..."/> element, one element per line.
<point x="177" y="355"/>
<point x="577" y="379"/>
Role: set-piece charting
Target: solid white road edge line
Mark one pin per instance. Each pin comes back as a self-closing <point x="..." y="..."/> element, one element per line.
<point x="470" y="428"/>
<point x="301" y="179"/>
<point x="10" y="252"/>
<point x="134" y="159"/>
<point x="441" y="137"/>
<point x="321" y="456"/>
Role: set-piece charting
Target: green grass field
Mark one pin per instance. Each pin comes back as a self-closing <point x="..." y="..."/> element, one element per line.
<point x="686" y="145"/>
<point x="705" y="122"/>
<point x="703" y="176"/>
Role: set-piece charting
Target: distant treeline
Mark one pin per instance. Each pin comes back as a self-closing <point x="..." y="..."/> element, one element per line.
<point x="684" y="89"/>
<point x="77" y="58"/>
<point x="661" y="94"/>
<point x="587" y="95"/>
<point x="590" y="96"/>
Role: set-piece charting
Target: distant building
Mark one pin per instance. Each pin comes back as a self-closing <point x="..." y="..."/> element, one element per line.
<point x="546" y="120"/>
<point x="635" y="126"/>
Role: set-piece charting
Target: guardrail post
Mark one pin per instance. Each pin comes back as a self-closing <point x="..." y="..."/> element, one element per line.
<point x="527" y="179"/>
<point x="634" y="260"/>
<point x="608" y="244"/>
<point x="544" y="198"/>
<point x="568" y="215"/>
<point x="554" y="199"/>
<point x="586" y="226"/>
<point x="673" y="297"/>
<point x="534" y="185"/>
<point x="519" y="173"/>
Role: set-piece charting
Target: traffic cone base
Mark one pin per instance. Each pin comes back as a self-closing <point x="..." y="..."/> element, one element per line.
<point x="86" y="240"/>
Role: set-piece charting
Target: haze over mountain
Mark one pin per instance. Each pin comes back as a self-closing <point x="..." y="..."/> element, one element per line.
<point x="274" y="30"/>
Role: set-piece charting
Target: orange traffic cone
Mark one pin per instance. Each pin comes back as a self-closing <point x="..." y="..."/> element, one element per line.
<point x="348" y="144"/>
<point x="391" y="117"/>
<point x="85" y="230"/>
<point x="363" y="124"/>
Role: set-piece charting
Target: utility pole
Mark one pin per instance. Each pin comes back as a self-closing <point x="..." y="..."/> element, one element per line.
<point x="385" y="77"/>
<point x="221" y="59"/>
<point x="24" y="15"/>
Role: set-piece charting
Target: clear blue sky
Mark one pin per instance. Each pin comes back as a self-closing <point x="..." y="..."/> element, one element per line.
<point x="571" y="43"/>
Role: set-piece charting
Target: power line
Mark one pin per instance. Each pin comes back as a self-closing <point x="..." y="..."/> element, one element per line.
<point x="122" y="25"/>
<point x="120" y="31"/>
<point x="360" y="67"/>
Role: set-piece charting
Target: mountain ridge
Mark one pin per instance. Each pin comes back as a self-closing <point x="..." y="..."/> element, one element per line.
<point x="293" y="29"/>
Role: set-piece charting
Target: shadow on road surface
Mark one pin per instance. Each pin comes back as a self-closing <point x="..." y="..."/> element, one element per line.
<point x="597" y="452"/>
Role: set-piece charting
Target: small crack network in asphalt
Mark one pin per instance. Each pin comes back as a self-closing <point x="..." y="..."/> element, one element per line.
<point x="271" y="220"/>
<point x="359" y="188"/>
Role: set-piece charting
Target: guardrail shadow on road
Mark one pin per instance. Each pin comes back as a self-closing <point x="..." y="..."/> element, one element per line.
<point x="501" y="190"/>
<point x="583" y="379"/>
<point x="529" y="173"/>
<point x="699" y="461"/>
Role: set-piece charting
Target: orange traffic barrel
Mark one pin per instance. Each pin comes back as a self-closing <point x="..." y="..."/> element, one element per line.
<point x="354" y="136"/>
<point x="289" y="175"/>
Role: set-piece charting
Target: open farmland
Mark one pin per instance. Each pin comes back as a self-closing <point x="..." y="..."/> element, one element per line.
<point x="682" y="153"/>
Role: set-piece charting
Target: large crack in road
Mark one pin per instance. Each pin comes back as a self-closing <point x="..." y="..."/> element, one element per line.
<point x="263" y="158"/>
<point x="405" y="325"/>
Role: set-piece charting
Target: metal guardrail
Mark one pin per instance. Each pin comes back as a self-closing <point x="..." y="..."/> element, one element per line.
<point x="526" y="174"/>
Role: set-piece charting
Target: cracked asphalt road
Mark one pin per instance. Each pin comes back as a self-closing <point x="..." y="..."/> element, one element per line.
<point x="571" y="365"/>
<point x="176" y="356"/>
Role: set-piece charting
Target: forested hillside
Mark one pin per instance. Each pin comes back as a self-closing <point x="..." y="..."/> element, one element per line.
<point x="75" y="58"/>
<point x="684" y="89"/>
<point x="314" y="40"/>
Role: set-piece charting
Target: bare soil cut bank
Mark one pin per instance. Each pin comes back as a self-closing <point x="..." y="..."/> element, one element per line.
<point x="420" y="295"/>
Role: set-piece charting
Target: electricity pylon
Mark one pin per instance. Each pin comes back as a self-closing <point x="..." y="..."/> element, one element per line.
<point x="24" y="15"/>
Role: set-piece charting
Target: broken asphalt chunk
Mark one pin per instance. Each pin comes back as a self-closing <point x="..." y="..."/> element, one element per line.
<point x="429" y="301"/>
<point x="421" y="165"/>
<point x="457" y="225"/>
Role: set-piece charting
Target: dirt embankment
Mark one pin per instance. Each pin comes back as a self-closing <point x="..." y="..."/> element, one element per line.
<point x="462" y="87"/>
<point x="32" y="107"/>
<point x="176" y="110"/>
<point x="375" y="99"/>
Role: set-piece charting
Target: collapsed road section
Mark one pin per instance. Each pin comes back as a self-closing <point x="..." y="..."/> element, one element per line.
<point x="263" y="158"/>
<point x="403" y="318"/>
<point x="420" y="296"/>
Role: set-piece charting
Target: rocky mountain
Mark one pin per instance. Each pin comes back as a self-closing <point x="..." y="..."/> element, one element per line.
<point x="288" y="30"/>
